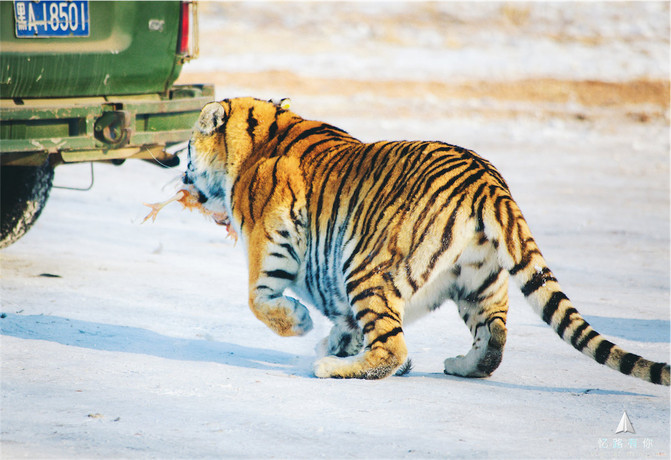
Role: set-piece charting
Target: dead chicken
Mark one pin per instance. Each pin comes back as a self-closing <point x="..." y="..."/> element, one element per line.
<point x="189" y="200"/>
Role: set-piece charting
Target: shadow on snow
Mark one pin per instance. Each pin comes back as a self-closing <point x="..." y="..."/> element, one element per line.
<point x="545" y="389"/>
<point x="108" y="337"/>
<point x="115" y="338"/>
<point x="640" y="330"/>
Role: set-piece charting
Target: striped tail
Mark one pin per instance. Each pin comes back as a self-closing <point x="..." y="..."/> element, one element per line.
<point x="519" y="254"/>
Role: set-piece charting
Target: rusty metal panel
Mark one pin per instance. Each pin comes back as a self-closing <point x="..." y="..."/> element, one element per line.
<point x="91" y="129"/>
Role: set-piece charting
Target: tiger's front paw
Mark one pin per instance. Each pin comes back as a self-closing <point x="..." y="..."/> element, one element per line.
<point x="286" y="317"/>
<point x="303" y="321"/>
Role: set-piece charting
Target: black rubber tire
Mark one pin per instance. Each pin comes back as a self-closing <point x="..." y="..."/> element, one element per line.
<point x="23" y="193"/>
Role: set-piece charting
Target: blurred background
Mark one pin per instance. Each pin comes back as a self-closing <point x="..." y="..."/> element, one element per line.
<point x="594" y="62"/>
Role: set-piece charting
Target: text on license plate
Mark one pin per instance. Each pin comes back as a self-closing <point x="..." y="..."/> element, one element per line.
<point x="51" y="18"/>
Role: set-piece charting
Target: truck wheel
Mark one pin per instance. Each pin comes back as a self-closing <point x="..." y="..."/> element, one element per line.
<point x="23" y="193"/>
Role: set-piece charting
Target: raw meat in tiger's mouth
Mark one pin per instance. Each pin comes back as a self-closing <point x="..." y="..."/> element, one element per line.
<point x="190" y="198"/>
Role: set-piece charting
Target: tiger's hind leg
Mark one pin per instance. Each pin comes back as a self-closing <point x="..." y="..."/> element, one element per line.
<point x="484" y="312"/>
<point x="384" y="352"/>
<point x="345" y="339"/>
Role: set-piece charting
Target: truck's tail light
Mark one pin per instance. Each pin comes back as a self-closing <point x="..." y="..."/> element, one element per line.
<point x="187" y="43"/>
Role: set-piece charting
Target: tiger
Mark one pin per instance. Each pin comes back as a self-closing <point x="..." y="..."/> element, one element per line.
<point x="374" y="236"/>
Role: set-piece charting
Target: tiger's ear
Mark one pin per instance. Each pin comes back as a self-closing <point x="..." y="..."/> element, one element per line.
<point x="284" y="103"/>
<point x="211" y="117"/>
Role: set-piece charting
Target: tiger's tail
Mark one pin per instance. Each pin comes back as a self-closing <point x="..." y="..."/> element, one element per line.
<point x="518" y="253"/>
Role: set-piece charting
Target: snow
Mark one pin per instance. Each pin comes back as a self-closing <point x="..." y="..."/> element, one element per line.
<point x="443" y="40"/>
<point x="129" y="340"/>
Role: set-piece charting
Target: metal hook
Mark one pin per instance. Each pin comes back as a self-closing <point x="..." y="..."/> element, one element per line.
<point x="78" y="188"/>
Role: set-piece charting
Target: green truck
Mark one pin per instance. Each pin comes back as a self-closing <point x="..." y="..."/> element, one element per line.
<point x="89" y="81"/>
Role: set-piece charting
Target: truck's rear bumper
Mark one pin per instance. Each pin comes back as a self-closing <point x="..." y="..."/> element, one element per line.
<point x="95" y="129"/>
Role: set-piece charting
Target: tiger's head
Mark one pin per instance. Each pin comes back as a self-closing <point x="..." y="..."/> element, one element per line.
<point x="228" y="137"/>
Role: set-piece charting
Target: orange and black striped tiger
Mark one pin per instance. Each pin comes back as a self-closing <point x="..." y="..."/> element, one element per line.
<point x="376" y="235"/>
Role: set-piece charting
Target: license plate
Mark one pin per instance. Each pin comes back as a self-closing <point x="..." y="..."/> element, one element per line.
<point x="51" y="18"/>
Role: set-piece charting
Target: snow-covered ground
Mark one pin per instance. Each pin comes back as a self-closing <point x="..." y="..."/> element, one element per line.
<point x="129" y="340"/>
<point x="439" y="40"/>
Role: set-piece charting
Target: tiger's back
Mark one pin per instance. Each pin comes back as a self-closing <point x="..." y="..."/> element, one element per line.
<point x="375" y="235"/>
